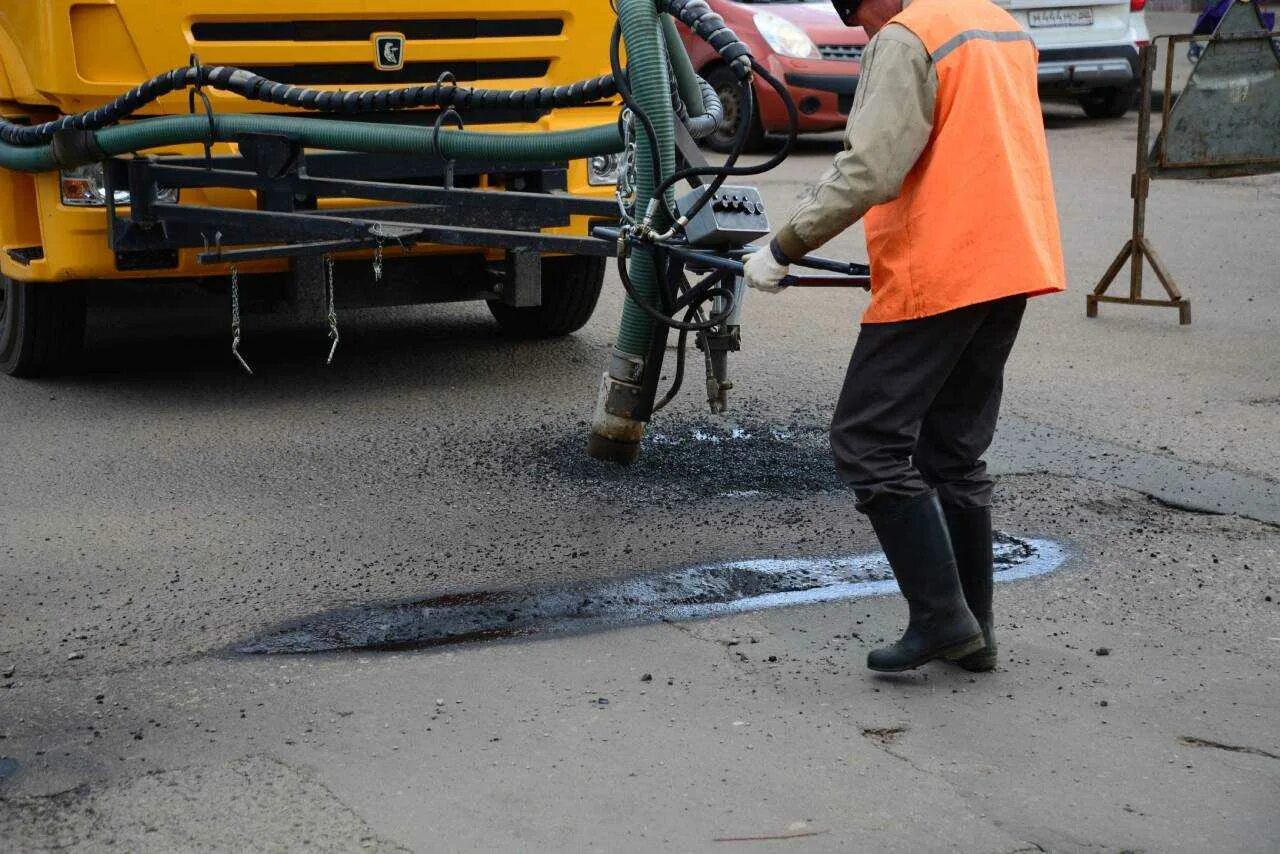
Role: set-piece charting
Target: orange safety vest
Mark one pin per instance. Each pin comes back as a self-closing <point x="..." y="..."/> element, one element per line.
<point x="976" y="219"/>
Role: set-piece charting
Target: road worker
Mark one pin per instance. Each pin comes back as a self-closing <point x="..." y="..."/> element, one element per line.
<point x="946" y="163"/>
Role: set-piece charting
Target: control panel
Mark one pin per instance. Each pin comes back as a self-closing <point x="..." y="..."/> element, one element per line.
<point x="734" y="217"/>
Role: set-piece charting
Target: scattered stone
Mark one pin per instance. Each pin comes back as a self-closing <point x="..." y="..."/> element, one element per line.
<point x="773" y="658"/>
<point x="648" y="677"/>
<point x="883" y="735"/>
<point x="602" y="701"/>
<point x="75" y="656"/>
<point x="1102" y="650"/>
<point x="439" y="702"/>
<point x="9" y="671"/>
<point x="1103" y="704"/>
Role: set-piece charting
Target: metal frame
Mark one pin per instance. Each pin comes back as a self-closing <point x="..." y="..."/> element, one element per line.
<point x="1138" y="250"/>
<point x="289" y="183"/>
<point x="1152" y="164"/>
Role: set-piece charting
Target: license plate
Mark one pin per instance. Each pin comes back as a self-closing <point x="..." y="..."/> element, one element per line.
<point x="1060" y="17"/>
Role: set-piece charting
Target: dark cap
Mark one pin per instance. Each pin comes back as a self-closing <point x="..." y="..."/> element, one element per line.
<point x="846" y="8"/>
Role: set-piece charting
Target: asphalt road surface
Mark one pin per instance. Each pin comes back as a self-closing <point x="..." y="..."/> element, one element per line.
<point x="161" y="510"/>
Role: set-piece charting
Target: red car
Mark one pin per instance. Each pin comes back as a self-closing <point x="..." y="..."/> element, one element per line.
<point x="802" y="43"/>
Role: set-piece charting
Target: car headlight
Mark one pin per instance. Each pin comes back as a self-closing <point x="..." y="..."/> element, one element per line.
<point x="602" y="170"/>
<point x="785" y="37"/>
<point x="86" y="187"/>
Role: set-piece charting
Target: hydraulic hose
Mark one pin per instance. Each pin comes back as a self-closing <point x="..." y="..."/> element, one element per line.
<point x="698" y="105"/>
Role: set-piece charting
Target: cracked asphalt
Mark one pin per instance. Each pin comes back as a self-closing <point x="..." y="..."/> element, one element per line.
<point x="161" y="508"/>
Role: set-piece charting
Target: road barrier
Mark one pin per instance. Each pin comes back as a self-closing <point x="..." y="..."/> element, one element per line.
<point x="1224" y="124"/>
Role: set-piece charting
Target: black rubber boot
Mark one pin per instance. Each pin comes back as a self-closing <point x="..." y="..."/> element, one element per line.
<point x="913" y="533"/>
<point x="971" y="540"/>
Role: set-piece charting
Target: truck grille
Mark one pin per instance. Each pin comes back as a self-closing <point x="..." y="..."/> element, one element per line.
<point x="841" y="52"/>
<point x="351" y="74"/>
<point x="362" y="31"/>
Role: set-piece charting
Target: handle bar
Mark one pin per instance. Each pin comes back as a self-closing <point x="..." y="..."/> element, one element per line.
<point x="850" y="274"/>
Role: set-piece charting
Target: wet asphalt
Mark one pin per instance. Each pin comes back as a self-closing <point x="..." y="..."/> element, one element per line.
<point x="161" y="510"/>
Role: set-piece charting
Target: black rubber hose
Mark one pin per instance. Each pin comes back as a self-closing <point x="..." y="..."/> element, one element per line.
<point x="669" y="321"/>
<point x="723" y="172"/>
<point x="793" y="125"/>
<point x="711" y="28"/>
<point x="258" y="88"/>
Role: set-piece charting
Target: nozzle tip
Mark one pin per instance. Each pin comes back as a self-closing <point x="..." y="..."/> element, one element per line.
<point x="611" y="450"/>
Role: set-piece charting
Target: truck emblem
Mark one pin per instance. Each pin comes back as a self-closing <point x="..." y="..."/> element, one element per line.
<point x="388" y="51"/>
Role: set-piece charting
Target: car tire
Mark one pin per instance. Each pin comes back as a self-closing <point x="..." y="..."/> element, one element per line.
<point x="1109" y="102"/>
<point x="730" y="92"/>
<point x="41" y="327"/>
<point x="570" y="290"/>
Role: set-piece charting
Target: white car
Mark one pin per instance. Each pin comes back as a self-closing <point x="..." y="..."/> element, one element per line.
<point x="1088" y="49"/>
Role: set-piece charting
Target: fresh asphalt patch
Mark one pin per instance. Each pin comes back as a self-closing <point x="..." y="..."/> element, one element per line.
<point x="689" y="593"/>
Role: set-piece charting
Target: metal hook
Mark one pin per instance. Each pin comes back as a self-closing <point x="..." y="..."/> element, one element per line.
<point x="330" y="295"/>
<point x="380" y="237"/>
<point x="197" y="88"/>
<point x="447" y="115"/>
<point x="235" y="319"/>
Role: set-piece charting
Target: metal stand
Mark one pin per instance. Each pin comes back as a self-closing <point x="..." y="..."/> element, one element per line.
<point x="1138" y="249"/>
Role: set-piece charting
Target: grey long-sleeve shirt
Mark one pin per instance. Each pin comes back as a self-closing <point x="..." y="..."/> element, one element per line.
<point x="889" y="127"/>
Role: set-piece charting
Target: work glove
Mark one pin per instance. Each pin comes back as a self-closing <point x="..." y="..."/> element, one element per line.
<point x="764" y="270"/>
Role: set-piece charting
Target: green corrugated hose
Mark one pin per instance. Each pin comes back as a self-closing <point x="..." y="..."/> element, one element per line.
<point x="363" y="137"/>
<point x="650" y="86"/>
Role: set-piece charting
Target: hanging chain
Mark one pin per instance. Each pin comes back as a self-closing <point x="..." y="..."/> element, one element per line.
<point x="626" y="191"/>
<point x="377" y="255"/>
<point x="235" y="319"/>
<point x="331" y="298"/>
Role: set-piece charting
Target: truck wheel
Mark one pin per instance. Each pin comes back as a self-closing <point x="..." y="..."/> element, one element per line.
<point x="570" y="291"/>
<point x="1109" y="102"/>
<point x="41" y="327"/>
<point x="726" y="86"/>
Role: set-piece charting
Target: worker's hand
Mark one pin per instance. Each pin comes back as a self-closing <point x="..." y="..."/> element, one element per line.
<point x="763" y="271"/>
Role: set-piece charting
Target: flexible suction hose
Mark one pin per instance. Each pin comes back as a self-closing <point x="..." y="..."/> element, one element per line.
<point x="647" y="79"/>
<point x="331" y="134"/>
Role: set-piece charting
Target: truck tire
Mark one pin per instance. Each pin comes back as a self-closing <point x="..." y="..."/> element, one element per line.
<point x="1109" y="102"/>
<point x="730" y="93"/>
<point x="41" y="327"/>
<point x="570" y="291"/>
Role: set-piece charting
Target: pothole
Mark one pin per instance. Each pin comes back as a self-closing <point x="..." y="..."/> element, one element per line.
<point x="731" y="457"/>
<point x="688" y="593"/>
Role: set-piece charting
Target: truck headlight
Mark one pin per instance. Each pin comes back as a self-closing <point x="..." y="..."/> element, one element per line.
<point x="602" y="170"/>
<point x="785" y="37"/>
<point x="86" y="187"/>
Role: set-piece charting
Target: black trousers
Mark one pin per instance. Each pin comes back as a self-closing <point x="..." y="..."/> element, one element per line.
<point x="920" y="404"/>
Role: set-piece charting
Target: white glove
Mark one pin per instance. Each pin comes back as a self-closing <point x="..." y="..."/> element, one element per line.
<point x="763" y="272"/>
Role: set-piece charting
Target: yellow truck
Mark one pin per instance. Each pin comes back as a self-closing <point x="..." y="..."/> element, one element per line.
<point x="499" y="150"/>
<point x="64" y="228"/>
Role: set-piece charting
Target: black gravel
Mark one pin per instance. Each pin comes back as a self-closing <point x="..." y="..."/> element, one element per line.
<point x="693" y="457"/>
